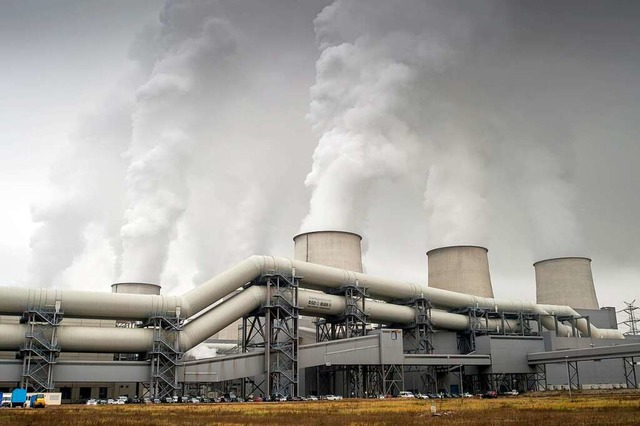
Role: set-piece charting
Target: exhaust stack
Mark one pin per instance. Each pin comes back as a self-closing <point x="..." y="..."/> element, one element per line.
<point x="463" y="269"/>
<point x="566" y="281"/>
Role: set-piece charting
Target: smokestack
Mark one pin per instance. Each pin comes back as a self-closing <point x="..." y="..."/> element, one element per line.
<point x="464" y="269"/>
<point x="338" y="249"/>
<point x="566" y="281"/>
<point x="135" y="288"/>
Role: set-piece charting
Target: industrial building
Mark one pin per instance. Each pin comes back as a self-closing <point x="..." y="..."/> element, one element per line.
<point x="317" y="324"/>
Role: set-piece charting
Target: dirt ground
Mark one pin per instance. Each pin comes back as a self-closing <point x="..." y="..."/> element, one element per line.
<point x="604" y="408"/>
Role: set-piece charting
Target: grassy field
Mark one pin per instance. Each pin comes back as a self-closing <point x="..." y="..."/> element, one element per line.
<point x="620" y="408"/>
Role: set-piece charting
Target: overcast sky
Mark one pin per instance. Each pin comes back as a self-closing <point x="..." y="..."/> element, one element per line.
<point x="165" y="141"/>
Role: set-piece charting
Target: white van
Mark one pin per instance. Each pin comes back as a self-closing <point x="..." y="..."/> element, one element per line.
<point x="6" y="400"/>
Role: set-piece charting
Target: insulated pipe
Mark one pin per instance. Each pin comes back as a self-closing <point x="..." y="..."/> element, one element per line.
<point x="321" y="304"/>
<point x="131" y="340"/>
<point x="88" y="304"/>
<point x="130" y="306"/>
<point x="211" y="322"/>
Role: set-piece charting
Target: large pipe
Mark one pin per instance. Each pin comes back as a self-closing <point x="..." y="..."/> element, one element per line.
<point x="321" y="304"/>
<point x="135" y="340"/>
<point x="130" y="306"/>
<point x="132" y="340"/>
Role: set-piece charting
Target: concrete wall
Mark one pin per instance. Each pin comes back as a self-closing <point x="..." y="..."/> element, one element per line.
<point x="463" y="269"/>
<point x="566" y="281"/>
<point x="330" y="248"/>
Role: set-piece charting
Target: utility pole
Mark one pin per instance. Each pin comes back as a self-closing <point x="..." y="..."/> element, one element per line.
<point x="633" y="318"/>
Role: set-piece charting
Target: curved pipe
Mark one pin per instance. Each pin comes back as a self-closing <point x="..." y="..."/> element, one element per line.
<point x="135" y="307"/>
<point x="135" y="340"/>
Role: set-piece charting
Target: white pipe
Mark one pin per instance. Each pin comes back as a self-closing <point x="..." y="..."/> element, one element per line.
<point x="131" y="340"/>
<point x="130" y="306"/>
<point x="321" y="304"/>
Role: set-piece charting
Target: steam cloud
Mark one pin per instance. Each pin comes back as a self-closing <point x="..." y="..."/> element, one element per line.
<point x="196" y="160"/>
<point x="165" y="178"/>
<point x="388" y="106"/>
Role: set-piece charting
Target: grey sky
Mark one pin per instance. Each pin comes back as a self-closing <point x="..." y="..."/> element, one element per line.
<point x="527" y="119"/>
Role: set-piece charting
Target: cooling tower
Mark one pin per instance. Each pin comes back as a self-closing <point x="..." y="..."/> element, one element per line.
<point x="566" y="281"/>
<point x="330" y="248"/>
<point x="135" y="288"/>
<point x="464" y="269"/>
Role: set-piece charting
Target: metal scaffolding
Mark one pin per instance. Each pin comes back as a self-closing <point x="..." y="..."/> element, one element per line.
<point x="479" y="325"/>
<point x="537" y="381"/>
<point x="572" y="374"/>
<point x="630" y="376"/>
<point x="274" y="329"/>
<point x="504" y="382"/>
<point x="165" y="354"/>
<point x="40" y="348"/>
<point x="354" y="321"/>
<point x="418" y="339"/>
<point x="572" y="320"/>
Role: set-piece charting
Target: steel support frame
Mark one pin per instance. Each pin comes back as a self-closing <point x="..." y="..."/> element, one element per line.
<point x="573" y="322"/>
<point x="273" y="328"/>
<point x="165" y="354"/>
<point x="503" y="382"/>
<point x="326" y="379"/>
<point x="573" y="375"/>
<point x="419" y="337"/>
<point x="40" y="349"/>
<point x="354" y="321"/>
<point x="537" y="381"/>
<point x="630" y="376"/>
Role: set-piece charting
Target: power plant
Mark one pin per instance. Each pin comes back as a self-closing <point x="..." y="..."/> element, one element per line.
<point x="316" y="325"/>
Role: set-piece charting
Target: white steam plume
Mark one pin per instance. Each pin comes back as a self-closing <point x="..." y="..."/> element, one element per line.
<point x="196" y="48"/>
<point x="87" y="188"/>
<point x="380" y="116"/>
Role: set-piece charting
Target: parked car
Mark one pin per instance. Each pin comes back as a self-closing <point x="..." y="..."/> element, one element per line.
<point x="406" y="394"/>
<point x="333" y="397"/>
<point x="467" y="395"/>
<point x="92" y="402"/>
<point x="312" y="398"/>
<point x="490" y="395"/>
<point x="512" y="392"/>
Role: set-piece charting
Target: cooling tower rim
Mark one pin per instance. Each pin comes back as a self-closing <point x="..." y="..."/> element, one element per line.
<point x="455" y="247"/>
<point x="562" y="258"/>
<point x="137" y="283"/>
<point x="328" y="231"/>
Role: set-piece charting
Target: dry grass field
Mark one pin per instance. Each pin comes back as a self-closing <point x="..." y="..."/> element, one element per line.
<point x="619" y="408"/>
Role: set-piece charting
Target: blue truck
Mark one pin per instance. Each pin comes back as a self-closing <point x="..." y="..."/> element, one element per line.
<point x="18" y="397"/>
